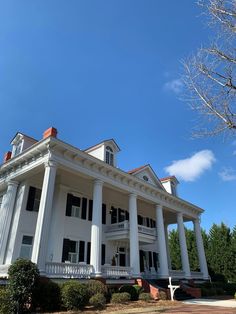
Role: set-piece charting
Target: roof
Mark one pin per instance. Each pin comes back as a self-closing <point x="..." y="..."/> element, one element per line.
<point x="100" y="143"/>
<point x="137" y="169"/>
<point x="169" y="178"/>
<point x="33" y="139"/>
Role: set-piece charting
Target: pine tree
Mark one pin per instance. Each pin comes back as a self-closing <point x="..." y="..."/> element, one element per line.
<point x="174" y="250"/>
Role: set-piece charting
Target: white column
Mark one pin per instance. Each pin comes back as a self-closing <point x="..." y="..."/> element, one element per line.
<point x="96" y="228"/>
<point x="167" y="245"/>
<point x="183" y="246"/>
<point x="161" y="241"/>
<point x="44" y="216"/>
<point x="6" y="214"/>
<point x="133" y="236"/>
<point x="200" y="249"/>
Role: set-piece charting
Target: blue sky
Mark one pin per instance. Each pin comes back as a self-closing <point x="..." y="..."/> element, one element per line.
<point x="110" y="69"/>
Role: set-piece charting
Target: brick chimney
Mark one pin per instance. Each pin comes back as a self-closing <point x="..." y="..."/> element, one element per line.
<point x="50" y="132"/>
<point x="7" y="156"/>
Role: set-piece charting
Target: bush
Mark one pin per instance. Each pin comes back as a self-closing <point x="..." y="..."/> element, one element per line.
<point x="47" y="295"/>
<point x="122" y="297"/>
<point x="98" y="301"/>
<point x="74" y="295"/>
<point x="23" y="277"/>
<point x="162" y="295"/>
<point x="5" y="306"/>
<point x="145" y="296"/>
<point x="131" y="290"/>
<point x="96" y="286"/>
<point x="138" y="289"/>
<point x="235" y="295"/>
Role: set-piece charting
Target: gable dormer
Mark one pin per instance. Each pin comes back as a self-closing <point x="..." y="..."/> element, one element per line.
<point x="146" y="174"/>
<point x="170" y="185"/>
<point x="21" y="142"/>
<point x="105" y="151"/>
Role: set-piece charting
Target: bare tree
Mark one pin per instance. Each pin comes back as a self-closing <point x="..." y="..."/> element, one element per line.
<point x="210" y="75"/>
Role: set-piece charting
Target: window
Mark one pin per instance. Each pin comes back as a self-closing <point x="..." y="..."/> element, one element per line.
<point x="118" y="215"/>
<point x="73" y="251"/>
<point x="26" y="247"/>
<point x="145" y="178"/>
<point x="173" y="189"/>
<point x="17" y="149"/>
<point x="76" y="207"/>
<point x="104" y="214"/>
<point x="34" y="197"/>
<point x="109" y="156"/>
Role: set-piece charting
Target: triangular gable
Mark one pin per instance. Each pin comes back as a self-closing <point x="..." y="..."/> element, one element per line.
<point x="147" y="174"/>
<point x="111" y="142"/>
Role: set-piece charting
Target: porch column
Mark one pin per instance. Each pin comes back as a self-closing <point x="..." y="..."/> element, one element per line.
<point x="183" y="246"/>
<point x="6" y="214"/>
<point x="133" y="236"/>
<point x="96" y="228"/>
<point x="163" y="262"/>
<point x="167" y="246"/>
<point x="200" y="249"/>
<point x="39" y="250"/>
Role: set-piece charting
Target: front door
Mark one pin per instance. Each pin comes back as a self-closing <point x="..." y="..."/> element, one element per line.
<point x="122" y="256"/>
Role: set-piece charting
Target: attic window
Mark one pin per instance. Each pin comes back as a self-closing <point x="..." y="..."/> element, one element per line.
<point x="18" y="147"/>
<point x="109" y="156"/>
<point x="145" y="178"/>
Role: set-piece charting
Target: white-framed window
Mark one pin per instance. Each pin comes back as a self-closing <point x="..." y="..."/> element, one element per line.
<point x="17" y="148"/>
<point x="109" y="156"/>
<point x="75" y="211"/>
<point x="26" y="247"/>
<point x="34" y="197"/>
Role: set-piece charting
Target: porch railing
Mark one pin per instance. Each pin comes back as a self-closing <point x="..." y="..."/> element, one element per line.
<point x="68" y="270"/>
<point x="116" y="271"/>
<point x="124" y="226"/>
<point x="196" y="275"/>
<point x="177" y="274"/>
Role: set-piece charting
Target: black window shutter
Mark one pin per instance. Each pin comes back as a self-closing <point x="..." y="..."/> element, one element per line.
<point x="150" y="258"/>
<point x="65" y="250"/>
<point x="155" y="260"/>
<point x="84" y="208"/>
<point x="154" y="223"/>
<point x="76" y="201"/>
<point x="88" y="252"/>
<point x="113" y="215"/>
<point x="148" y="221"/>
<point x="90" y="213"/>
<point x="103" y="253"/>
<point x="119" y="215"/>
<point x="104" y="213"/>
<point x="81" y="251"/>
<point x="69" y="204"/>
<point x="140" y="220"/>
<point x="31" y="197"/>
<point x="126" y="215"/>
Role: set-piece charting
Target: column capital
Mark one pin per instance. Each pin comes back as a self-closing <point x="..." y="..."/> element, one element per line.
<point x="51" y="163"/>
<point x="98" y="182"/>
<point x="180" y="215"/>
<point x="197" y="220"/>
<point x="159" y="206"/>
<point x="134" y="195"/>
<point x="12" y="183"/>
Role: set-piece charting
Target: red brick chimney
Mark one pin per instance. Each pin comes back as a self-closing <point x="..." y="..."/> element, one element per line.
<point x="50" y="132"/>
<point x="7" y="156"/>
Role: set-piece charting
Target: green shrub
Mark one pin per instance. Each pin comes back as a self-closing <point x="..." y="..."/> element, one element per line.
<point x="23" y="277"/>
<point x="74" y="295"/>
<point x="5" y="306"/>
<point x="131" y="290"/>
<point x="144" y="296"/>
<point x="47" y="295"/>
<point x="122" y="297"/>
<point x="98" y="301"/>
<point x="96" y="286"/>
<point x="162" y="295"/>
<point x="138" y="289"/>
<point x="235" y="295"/>
<point x="229" y="288"/>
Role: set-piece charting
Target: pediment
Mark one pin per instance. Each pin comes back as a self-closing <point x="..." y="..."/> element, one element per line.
<point x="147" y="174"/>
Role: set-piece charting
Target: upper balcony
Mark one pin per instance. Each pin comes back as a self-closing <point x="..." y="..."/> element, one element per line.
<point x="121" y="230"/>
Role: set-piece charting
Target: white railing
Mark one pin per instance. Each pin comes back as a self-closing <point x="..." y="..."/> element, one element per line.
<point x="124" y="226"/>
<point x="147" y="230"/>
<point x="196" y="275"/>
<point x="68" y="270"/>
<point x="116" y="271"/>
<point x="177" y="274"/>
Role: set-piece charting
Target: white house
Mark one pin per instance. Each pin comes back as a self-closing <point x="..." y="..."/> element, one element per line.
<point x="77" y="215"/>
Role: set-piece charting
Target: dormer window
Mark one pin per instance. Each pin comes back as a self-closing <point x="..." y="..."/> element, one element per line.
<point x="17" y="148"/>
<point x="109" y="156"/>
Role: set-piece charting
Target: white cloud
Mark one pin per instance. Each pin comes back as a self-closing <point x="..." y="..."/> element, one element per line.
<point x="175" y="86"/>
<point x="227" y="174"/>
<point x="192" y="168"/>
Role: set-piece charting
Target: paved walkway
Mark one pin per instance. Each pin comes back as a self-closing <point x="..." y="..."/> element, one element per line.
<point x="213" y="302"/>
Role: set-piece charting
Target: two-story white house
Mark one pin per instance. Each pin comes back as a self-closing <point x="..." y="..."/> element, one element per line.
<point x="77" y="215"/>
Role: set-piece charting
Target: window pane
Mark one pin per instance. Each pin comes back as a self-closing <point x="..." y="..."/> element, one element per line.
<point x="27" y="240"/>
<point x="25" y="251"/>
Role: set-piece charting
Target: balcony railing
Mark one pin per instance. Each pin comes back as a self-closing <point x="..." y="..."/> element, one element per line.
<point x="68" y="270"/>
<point x="124" y="226"/>
<point x="116" y="271"/>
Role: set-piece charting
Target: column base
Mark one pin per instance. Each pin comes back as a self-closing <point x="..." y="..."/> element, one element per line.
<point x="136" y="276"/>
<point x="96" y="275"/>
<point x="163" y="276"/>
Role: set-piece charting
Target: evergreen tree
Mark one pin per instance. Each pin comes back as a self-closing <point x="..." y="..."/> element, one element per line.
<point x="233" y="246"/>
<point x="192" y="250"/>
<point x="174" y="250"/>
